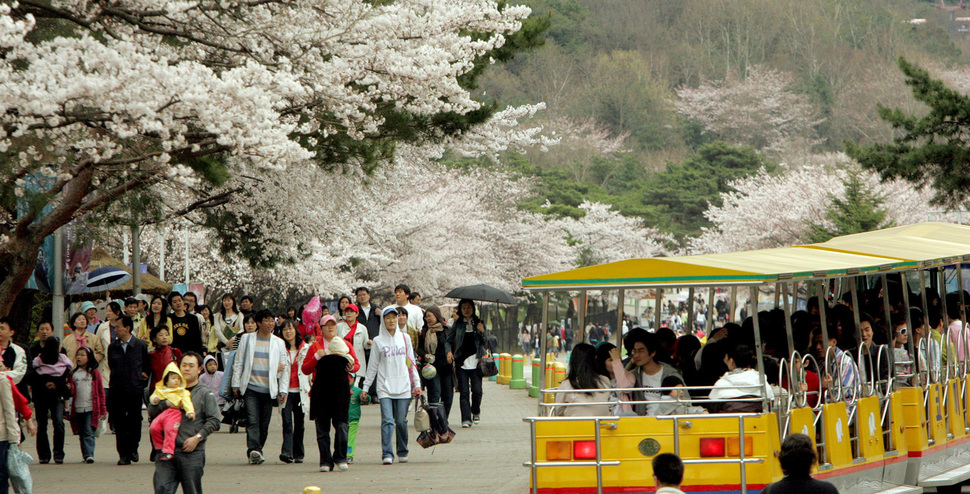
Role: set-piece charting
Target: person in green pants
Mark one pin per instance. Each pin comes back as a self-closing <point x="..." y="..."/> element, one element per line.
<point x="355" y="403"/>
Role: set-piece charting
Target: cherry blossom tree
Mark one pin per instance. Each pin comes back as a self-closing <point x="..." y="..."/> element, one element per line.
<point x="761" y="110"/>
<point x="99" y="99"/>
<point x="603" y="235"/>
<point x="775" y="210"/>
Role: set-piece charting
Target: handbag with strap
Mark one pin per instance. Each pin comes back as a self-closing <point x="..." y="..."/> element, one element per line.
<point x="486" y="363"/>
<point x="422" y="422"/>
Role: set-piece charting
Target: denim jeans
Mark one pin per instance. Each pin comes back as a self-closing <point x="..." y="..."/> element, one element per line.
<point x="293" y="427"/>
<point x="470" y="389"/>
<point x="53" y="410"/>
<point x="183" y="469"/>
<point x="259" y="410"/>
<point x="394" y="417"/>
<point x="86" y="436"/>
<point x="341" y="430"/>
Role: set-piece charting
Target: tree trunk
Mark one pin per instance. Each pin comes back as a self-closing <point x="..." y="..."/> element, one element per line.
<point x="19" y="257"/>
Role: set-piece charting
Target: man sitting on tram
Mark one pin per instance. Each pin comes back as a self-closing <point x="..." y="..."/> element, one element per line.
<point x="647" y="371"/>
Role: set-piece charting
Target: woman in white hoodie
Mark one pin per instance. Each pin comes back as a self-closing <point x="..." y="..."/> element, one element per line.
<point x="740" y="381"/>
<point x="392" y="367"/>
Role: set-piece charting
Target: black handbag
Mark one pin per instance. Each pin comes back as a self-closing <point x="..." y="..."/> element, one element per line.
<point x="486" y="364"/>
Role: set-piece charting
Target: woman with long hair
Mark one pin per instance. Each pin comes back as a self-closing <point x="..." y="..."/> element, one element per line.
<point x="592" y="386"/>
<point x="467" y="345"/>
<point x="433" y="349"/>
<point x="157" y="316"/>
<point x="342" y="304"/>
<point x="227" y="322"/>
<point x="297" y="396"/>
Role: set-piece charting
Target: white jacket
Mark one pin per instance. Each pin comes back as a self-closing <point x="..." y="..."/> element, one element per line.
<point x="19" y="369"/>
<point x="389" y="365"/>
<point x="9" y="425"/>
<point x="104" y="332"/>
<point x="577" y="400"/>
<point x="304" y="379"/>
<point x="728" y="386"/>
<point x="359" y="343"/>
<point x="242" y="366"/>
<point x="219" y="325"/>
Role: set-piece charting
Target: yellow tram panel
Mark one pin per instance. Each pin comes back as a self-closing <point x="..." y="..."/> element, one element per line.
<point x="954" y="409"/>
<point x="636" y="440"/>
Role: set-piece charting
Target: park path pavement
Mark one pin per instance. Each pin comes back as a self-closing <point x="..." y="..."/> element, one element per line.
<point x="484" y="459"/>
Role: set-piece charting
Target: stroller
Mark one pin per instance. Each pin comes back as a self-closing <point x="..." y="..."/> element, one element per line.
<point x="234" y="411"/>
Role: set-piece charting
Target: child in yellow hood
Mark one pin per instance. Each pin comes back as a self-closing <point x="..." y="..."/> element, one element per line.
<point x="165" y="427"/>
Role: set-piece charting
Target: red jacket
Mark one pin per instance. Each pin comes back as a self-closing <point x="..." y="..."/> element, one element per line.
<point x="99" y="406"/>
<point x="160" y="357"/>
<point x="310" y="361"/>
<point x="20" y="403"/>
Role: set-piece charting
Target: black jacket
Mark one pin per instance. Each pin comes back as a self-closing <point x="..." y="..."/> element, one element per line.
<point x="373" y="322"/>
<point x="330" y="394"/>
<point x="440" y="364"/>
<point x="128" y="365"/>
<point x="456" y="339"/>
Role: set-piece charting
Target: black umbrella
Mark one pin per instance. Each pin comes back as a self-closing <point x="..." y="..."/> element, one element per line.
<point x="105" y="278"/>
<point x="483" y="293"/>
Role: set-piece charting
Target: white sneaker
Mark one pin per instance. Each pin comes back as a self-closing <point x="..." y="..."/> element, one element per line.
<point x="476" y="419"/>
<point x="466" y="425"/>
<point x="402" y="459"/>
<point x="324" y="468"/>
<point x="342" y="467"/>
<point x="388" y="461"/>
<point x="255" y="457"/>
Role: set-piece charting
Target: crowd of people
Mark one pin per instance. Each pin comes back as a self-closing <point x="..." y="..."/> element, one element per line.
<point x="194" y="368"/>
<point x="721" y="370"/>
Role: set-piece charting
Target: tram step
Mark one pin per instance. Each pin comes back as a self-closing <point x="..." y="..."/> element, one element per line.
<point x="902" y="489"/>
<point x="951" y="477"/>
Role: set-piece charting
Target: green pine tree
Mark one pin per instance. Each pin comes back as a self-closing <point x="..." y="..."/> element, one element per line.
<point x="860" y="211"/>
<point x="929" y="150"/>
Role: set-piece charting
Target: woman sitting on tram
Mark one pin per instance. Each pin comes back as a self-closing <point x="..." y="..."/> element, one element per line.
<point x="741" y="381"/>
<point x="584" y="377"/>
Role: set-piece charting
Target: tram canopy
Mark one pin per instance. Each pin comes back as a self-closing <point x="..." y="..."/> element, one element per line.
<point x="891" y="249"/>
<point x="928" y="244"/>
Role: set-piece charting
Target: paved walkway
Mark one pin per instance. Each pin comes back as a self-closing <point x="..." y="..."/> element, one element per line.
<point x="486" y="458"/>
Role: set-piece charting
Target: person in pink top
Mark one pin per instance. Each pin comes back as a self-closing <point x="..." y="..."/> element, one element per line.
<point x="954" y="321"/>
<point x="610" y="363"/>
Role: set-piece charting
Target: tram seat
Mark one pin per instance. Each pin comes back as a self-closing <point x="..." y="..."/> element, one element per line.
<point x="737" y="406"/>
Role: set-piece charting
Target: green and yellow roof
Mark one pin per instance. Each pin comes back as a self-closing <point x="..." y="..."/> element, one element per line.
<point x="888" y="250"/>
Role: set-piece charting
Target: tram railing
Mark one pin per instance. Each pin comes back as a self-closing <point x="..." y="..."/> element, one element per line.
<point x="741" y="461"/>
<point x="610" y="423"/>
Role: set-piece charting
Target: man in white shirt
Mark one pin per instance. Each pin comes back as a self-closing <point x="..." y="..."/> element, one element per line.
<point x="415" y="314"/>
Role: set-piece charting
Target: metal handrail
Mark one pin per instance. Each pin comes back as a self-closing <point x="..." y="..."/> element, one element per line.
<point x="833" y="351"/>
<point x="821" y="401"/>
<point x="857" y="386"/>
<point x="534" y="465"/>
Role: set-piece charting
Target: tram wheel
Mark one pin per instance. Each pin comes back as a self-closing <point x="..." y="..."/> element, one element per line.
<point x="949" y="489"/>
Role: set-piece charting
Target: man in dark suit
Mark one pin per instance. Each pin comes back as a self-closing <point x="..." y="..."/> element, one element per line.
<point x="130" y="367"/>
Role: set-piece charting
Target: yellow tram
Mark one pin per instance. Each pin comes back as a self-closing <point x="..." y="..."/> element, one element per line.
<point x="892" y="436"/>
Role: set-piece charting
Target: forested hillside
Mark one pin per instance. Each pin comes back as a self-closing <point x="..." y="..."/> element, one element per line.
<point x="660" y="104"/>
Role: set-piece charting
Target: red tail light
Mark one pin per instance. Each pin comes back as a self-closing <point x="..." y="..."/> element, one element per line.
<point x="584" y="450"/>
<point x="712" y="447"/>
